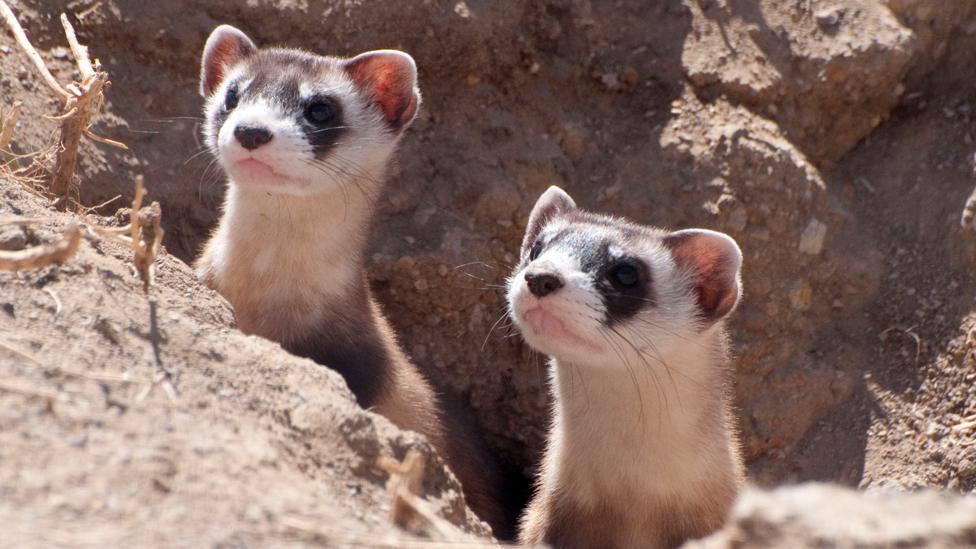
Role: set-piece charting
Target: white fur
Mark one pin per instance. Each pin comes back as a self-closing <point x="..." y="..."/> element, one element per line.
<point x="364" y="150"/>
<point x="290" y="245"/>
<point x="627" y="416"/>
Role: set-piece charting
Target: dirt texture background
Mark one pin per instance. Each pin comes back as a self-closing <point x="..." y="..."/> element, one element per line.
<point x="832" y="138"/>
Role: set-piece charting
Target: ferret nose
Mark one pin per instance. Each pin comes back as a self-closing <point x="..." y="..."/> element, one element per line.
<point x="542" y="284"/>
<point x="252" y="137"/>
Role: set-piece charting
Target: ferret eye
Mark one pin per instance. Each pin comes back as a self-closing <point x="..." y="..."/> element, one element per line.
<point x="626" y="276"/>
<point x="535" y="250"/>
<point x="230" y="102"/>
<point x="319" y="112"/>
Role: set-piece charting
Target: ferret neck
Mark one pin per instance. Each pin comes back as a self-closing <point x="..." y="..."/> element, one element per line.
<point x="329" y="224"/>
<point x="289" y="262"/>
<point x="668" y="391"/>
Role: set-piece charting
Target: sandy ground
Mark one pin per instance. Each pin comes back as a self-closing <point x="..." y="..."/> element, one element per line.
<point x="832" y="139"/>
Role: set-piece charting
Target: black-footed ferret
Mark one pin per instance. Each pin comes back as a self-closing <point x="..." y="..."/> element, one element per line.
<point x="641" y="450"/>
<point x="305" y="142"/>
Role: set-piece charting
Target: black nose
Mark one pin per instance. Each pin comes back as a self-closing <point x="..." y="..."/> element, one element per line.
<point x="252" y="137"/>
<point x="543" y="284"/>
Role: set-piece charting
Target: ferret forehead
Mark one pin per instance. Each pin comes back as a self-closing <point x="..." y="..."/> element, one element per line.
<point x="598" y="240"/>
<point x="584" y="231"/>
<point x="284" y="73"/>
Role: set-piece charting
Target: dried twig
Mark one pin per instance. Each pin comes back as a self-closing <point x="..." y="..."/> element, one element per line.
<point x="144" y="234"/>
<point x="25" y="44"/>
<point x="85" y="210"/>
<point x="82" y="103"/>
<point x="161" y="378"/>
<point x="964" y="426"/>
<point x="80" y="52"/>
<point x="409" y="511"/>
<point x="43" y="255"/>
<point x="9" y="122"/>
<point x="57" y="302"/>
<point x="28" y="391"/>
<point x="910" y="332"/>
<point x="143" y="253"/>
<point x="145" y="224"/>
<point x="105" y="141"/>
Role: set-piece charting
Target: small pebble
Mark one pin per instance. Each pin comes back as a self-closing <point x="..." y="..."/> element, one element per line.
<point x="966" y="468"/>
<point x="828" y="18"/>
<point x="12" y="239"/>
<point x="812" y="239"/>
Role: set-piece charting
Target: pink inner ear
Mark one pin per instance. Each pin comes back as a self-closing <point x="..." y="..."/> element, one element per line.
<point x="389" y="80"/>
<point x="225" y="47"/>
<point x="216" y="66"/>
<point x="714" y="263"/>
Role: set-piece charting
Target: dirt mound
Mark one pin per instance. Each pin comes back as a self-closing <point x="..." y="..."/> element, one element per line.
<point x="833" y="140"/>
<point x="146" y="421"/>
<point x="819" y="515"/>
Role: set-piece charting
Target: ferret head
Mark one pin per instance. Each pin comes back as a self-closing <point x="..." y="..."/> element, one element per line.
<point x="286" y="121"/>
<point x="596" y="290"/>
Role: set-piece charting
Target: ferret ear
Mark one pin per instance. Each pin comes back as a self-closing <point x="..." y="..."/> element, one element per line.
<point x="388" y="78"/>
<point x="225" y="47"/>
<point x="713" y="261"/>
<point x="552" y="203"/>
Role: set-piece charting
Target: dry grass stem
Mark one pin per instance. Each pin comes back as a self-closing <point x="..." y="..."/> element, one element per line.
<point x="85" y="210"/>
<point x="25" y="44"/>
<point x="409" y="511"/>
<point x="45" y="254"/>
<point x="105" y="140"/>
<point x="964" y="426"/>
<point x="9" y="123"/>
<point x="82" y="103"/>
<point x="28" y="391"/>
<point x="57" y="302"/>
<point x="910" y="332"/>
<point x="144" y="234"/>
<point x="162" y="378"/>
<point x="79" y="52"/>
<point x="144" y="251"/>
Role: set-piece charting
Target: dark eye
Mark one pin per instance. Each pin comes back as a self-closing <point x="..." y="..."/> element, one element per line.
<point x="625" y="276"/>
<point x="230" y="102"/>
<point x="535" y="251"/>
<point x="320" y="112"/>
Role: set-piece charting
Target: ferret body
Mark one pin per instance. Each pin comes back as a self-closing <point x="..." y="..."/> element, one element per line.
<point x="305" y="141"/>
<point x="641" y="451"/>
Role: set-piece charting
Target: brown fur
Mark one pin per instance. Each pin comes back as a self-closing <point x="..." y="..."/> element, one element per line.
<point x="291" y="262"/>
<point x="642" y="450"/>
<point x="565" y="524"/>
<point x="626" y="520"/>
<point x="353" y="337"/>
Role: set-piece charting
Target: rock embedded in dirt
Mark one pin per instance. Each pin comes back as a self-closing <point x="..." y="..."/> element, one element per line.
<point x="760" y="175"/>
<point x="812" y="239"/>
<point x="825" y="83"/>
<point x="12" y="238"/>
<point x="134" y="419"/>
<point x="821" y="515"/>
<point x="735" y="136"/>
